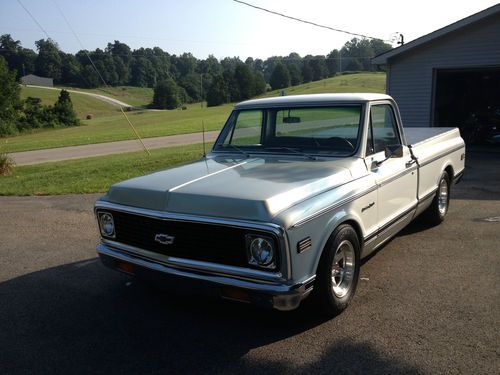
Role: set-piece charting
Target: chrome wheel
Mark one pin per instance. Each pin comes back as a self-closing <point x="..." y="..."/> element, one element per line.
<point x="343" y="269"/>
<point x="443" y="197"/>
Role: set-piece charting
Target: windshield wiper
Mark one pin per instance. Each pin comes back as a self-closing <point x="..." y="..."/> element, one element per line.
<point x="235" y="148"/>
<point x="294" y="150"/>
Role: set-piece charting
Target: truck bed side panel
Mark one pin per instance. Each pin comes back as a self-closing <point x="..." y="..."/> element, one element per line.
<point x="442" y="149"/>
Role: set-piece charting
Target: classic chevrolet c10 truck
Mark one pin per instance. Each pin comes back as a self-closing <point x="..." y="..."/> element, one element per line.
<point x="295" y="191"/>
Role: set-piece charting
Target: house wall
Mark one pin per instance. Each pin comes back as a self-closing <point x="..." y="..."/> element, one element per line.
<point x="31" y="79"/>
<point x="410" y="77"/>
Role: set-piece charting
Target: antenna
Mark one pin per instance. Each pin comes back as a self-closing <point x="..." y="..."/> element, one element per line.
<point x="203" y="135"/>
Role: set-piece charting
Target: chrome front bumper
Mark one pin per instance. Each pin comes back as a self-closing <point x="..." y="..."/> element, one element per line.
<point x="269" y="294"/>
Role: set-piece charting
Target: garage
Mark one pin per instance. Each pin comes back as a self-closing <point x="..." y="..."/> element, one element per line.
<point x="450" y="77"/>
<point x="470" y="99"/>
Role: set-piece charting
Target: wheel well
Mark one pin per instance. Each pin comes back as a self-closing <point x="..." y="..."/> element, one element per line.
<point x="357" y="228"/>
<point x="449" y="170"/>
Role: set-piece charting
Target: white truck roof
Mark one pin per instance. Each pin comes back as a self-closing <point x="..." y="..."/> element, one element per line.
<point x="311" y="99"/>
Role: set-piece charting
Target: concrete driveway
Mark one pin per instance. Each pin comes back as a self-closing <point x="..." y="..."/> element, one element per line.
<point x="427" y="303"/>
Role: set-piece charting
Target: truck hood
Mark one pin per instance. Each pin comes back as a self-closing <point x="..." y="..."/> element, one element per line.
<point x="250" y="188"/>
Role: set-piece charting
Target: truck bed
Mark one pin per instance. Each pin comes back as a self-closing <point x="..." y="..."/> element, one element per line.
<point x="416" y="136"/>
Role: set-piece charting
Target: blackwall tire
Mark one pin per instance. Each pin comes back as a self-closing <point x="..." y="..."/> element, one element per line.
<point x="338" y="271"/>
<point x="438" y="209"/>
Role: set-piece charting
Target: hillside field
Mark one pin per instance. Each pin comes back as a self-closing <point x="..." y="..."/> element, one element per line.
<point x="108" y="124"/>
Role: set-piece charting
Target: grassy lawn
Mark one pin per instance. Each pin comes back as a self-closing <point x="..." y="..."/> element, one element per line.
<point x="83" y="104"/>
<point x="92" y="175"/>
<point x="359" y="82"/>
<point x="109" y="125"/>
<point x="135" y="96"/>
<point x="115" y="128"/>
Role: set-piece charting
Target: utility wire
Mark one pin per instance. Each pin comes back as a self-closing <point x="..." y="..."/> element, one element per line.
<point x="102" y="78"/>
<point x="304" y="21"/>
<point x="34" y="19"/>
<point x="90" y="59"/>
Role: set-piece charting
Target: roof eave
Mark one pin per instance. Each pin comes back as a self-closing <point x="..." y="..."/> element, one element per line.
<point x="384" y="57"/>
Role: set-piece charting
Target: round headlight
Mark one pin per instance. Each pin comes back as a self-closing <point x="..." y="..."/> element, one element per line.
<point x="262" y="251"/>
<point x="107" y="225"/>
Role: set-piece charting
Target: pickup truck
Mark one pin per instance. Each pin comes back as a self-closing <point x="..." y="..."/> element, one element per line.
<point x="294" y="193"/>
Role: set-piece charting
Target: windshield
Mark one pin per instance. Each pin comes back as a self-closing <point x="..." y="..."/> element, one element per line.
<point x="331" y="130"/>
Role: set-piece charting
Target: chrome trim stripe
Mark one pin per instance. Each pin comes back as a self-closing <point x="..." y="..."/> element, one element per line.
<point x="332" y="207"/>
<point x="389" y="224"/>
<point x="427" y="196"/>
<point x="395" y="177"/>
<point x="206" y="176"/>
<point x="458" y="176"/>
<point x="157" y="266"/>
<point x="441" y="155"/>
<point x="265" y="227"/>
<point x="163" y="215"/>
<point x="197" y="265"/>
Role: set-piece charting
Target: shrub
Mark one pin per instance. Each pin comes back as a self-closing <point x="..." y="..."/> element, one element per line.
<point x="166" y="95"/>
<point x="6" y="164"/>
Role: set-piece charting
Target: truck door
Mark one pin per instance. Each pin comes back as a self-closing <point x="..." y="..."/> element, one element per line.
<point x="396" y="177"/>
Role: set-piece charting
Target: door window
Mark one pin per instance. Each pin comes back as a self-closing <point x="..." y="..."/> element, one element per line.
<point x="383" y="129"/>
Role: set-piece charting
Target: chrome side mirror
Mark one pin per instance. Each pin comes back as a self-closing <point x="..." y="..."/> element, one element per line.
<point x="392" y="151"/>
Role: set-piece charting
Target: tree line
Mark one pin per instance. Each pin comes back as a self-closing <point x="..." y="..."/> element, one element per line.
<point x="184" y="77"/>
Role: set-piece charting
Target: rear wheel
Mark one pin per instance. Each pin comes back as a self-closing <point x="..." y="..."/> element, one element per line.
<point x="438" y="209"/>
<point x="338" y="271"/>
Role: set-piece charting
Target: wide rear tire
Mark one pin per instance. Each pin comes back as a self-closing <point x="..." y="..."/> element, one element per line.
<point x="438" y="209"/>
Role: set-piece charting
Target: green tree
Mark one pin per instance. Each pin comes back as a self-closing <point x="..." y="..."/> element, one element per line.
<point x="332" y="62"/>
<point x="20" y="59"/>
<point x="244" y="80"/>
<point x="295" y="74"/>
<point x="63" y="110"/>
<point x="166" y="95"/>
<point x="259" y="83"/>
<point x="217" y="94"/>
<point x="10" y="101"/>
<point x="70" y="72"/>
<point x="280" y="77"/>
<point x="48" y="62"/>
<point x="143" y="73"/>
<point x="191" y="83"/>
<point x="307" y="72"/>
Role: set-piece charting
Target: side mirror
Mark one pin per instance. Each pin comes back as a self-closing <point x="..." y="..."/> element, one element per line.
<point x="393" y="151"/>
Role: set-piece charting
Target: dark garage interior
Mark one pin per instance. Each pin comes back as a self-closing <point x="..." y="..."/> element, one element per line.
<point x="470" y="100"/>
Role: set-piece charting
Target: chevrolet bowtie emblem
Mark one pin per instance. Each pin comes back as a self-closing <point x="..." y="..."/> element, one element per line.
<point x="164" y="239"/>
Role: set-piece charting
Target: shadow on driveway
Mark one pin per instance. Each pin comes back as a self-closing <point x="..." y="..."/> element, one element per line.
<point x="80" y="318"/>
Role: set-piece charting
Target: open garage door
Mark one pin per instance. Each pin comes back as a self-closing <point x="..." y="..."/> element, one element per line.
<point x="470" y="100"/>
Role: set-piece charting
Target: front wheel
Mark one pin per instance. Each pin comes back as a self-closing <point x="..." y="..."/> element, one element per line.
<point x="338" y="271"/>
<point x="439" y="207"/>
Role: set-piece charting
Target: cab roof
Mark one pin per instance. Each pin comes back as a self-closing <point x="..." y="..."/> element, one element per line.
<point x="311" y="99"/>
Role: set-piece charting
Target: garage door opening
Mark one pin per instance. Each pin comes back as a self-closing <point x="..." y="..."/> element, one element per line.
<point x="469" y="99"/>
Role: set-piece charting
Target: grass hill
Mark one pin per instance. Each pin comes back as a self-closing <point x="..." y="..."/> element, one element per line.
<point x="135" y="96"/>
<point x="109" y="125"/>
<point x="359" y="82"/>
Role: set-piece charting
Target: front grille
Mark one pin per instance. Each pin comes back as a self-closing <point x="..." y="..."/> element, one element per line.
<point x="192" y="240"/>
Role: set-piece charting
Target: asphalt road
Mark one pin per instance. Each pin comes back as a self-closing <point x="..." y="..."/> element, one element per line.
<point x="109" y="148"/>
<point x="427" y="303"/>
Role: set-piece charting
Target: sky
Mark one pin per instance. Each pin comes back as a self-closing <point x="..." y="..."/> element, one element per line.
<point x="226" y="28"/>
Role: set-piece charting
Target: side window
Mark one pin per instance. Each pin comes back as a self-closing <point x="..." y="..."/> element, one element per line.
<point x="247" y="129"/>
<point x="383" y="126"/>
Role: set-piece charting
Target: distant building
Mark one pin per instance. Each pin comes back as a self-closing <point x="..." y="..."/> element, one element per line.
<point x="449" y="77"/>
<point x="32" y="79"/>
